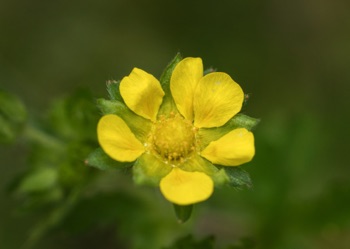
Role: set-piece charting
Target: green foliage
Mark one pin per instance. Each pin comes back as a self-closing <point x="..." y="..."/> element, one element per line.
<point x="39" y="180"/>
<point x="140" y="223"/>
<point x="57" y="172"/>
<point x="74" y="117"/>
<point x="13" y="116"/>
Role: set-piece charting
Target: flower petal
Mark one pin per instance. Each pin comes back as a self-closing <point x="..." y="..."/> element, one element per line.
<point x="233" y="149"/>
<point x="148" y="169"/>
<point x="142" y="93"/>
<point x="185" y="188"/>
<point x="217" y="99"/>
<point x="117" y="140"/>
<point x="183" y="83"/>
<point x="139" y="126"/>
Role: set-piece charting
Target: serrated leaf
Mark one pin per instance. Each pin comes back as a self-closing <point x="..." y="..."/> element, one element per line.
<point x="238" y="177"/>
<point x="183" y="213"/>
<point x="100" y="160"/>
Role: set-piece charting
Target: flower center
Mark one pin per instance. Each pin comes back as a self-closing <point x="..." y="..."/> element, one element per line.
<point x="173" y="138"/>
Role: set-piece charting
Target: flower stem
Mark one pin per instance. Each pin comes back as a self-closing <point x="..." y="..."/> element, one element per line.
<point x="36" y="135"/>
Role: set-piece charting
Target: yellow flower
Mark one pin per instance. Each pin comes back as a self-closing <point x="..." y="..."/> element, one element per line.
<point x="178" y="134"/>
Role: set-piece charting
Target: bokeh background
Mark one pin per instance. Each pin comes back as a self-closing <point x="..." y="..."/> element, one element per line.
<point x="292" y="57"/>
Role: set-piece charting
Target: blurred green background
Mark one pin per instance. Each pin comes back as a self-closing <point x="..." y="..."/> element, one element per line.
<point x="293" y="58"/>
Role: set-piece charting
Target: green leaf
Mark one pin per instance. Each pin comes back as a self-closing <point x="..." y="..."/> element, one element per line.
<point x="183" y="213"/>
<point x="75" y="116"/>
<point x="52" y="219"/>
<point x="40" y="180"/>
<point x="113" y="90"/>
<point x="12" y="117"/>
<point x="100" y="160"/>
<point x="138" y="125"/>
<point x="168" y="104"/>
<point x="238" y="178"/>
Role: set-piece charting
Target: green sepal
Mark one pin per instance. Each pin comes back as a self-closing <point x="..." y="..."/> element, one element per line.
<point x="183" y="213"/>
<point x="100" y="160"/>
<point x="220" y="177"/>
<point x="113" y="90"/>
<point x="12" y="117"/>
<point x="198" y="163"/>
<point x="238" y="178"/>
<point x="140" y="126"/>
<point x="243" y="121"/>
<point x="166" y="75"/>
<point x="168" y="104"/>
<point x="149" y="170"/>
<point x="206" y="135"/>
<point x="209" y="70"/>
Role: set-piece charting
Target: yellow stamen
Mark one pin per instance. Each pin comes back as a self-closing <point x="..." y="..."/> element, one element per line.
<point x="173" y="138"/>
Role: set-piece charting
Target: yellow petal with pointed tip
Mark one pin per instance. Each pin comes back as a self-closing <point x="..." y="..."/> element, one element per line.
<point x="232" y="149"/>
<point x="217" y="99"/>
<point x="142" y="93"/>
<point x="185" y="188"/>
<point x="183" y="83"/>
<point x="117" y="140"/>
